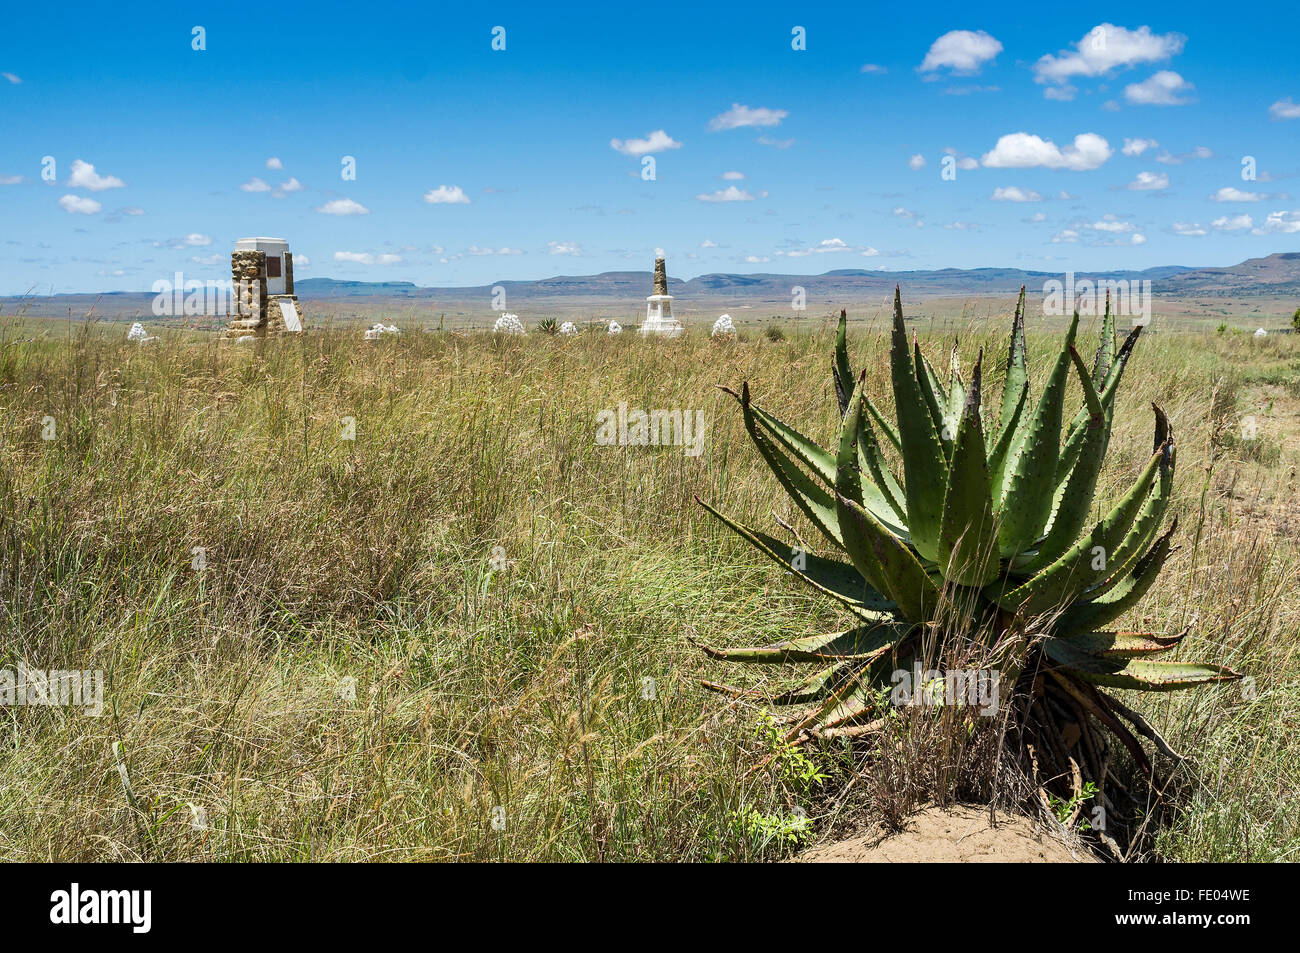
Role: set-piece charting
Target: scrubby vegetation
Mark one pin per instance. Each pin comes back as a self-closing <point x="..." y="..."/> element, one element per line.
<point x="394" y="602"/>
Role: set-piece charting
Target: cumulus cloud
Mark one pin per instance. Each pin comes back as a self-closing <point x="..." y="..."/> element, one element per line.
<point x="1200" y="152"/>
<point x="708" y="243"/>
<point x="475" y="250"/>
<point x="343" y="207"/>
<point x="564" y="248"/>
<point x="1147" y="181"/>
<point x="1285" y="223"/>
<point x="1284" y="109"/>
<point x="1135" y="147"/>
<point x="255" y="185"/>
<point x="1164" y="88"/>
<point x="1189" y="229"/>
<point x="1229" y="194"/>
<point x="84" y="177"/>
<point x="1232" y="223"/>
<point x="732" y="176"/>
<point x="962" y="51"/>
<point x="76" y="205"/>
<point x="657" y="141"/>
<point x="1020" y="150"/>
<point x="366" y="258"/>
<point x="729" y="194"/>
<point x="1013" y="193"/>
<point x="293" y="185"/>
<point x="1106" y="47"/>
<point x="446" y="195"/>
<point x="739" y="116"/>
<point x="274" y="163"/>
<point x="916" y="162"/>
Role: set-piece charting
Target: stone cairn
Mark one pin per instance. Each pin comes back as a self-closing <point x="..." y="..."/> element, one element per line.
<point x="256" y="313"/>
<point x="661" y="277"/>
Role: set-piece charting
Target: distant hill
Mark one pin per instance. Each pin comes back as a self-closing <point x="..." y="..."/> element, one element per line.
<point x="1277" y="275"/>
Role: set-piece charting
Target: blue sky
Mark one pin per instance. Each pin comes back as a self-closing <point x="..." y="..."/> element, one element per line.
<point x="1101" y="140"/>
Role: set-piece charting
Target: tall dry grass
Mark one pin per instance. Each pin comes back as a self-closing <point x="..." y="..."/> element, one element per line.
<point x="357" y="674"/>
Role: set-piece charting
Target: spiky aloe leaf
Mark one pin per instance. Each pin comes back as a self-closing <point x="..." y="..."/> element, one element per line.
<point x="1085" y="563"/>
<point x="848" y="491"/>
<point x="925" y="468"/>
<point x="862" y="643"/>
<point x="1134" y="673"/>
<point x="840" y="368"/>
<point x="936" y="400"/>
<point x="815" y="501"/>
<point x="853" y="701"/>
<point x="1105" y="348"/>
<point x="1153" y="510"/>
<point x="1028" y="500"/>
<point x="1016" y="378"/>
<point x="1124" y="593"/>
<point x="956" y="386"/>
<point x="1121" y="644"/>
<point x="1074" y="436"/>
<point x="1074" y="498"/>
<point x="968" y="552"/>
<point x="876" y="551"/>
<point x="839" y="580"/>
<point x="818" y="685"/>
<point x="1009" y="440"/>
<point x="873" y="462"/>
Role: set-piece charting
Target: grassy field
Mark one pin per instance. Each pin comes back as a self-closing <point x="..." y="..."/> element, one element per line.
<point x="392" y="601"/>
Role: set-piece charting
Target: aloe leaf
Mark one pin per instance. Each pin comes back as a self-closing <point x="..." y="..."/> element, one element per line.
<point x="809" y="496"/>
<point x="1074" y="498"/>
<point x="875" y="551"/>
<point x="925" y="469"/>
<point x="873" y="461"/>
<point x="1004" y="449"/>
<point x="1028" y="500"/>
<point x="1085" y="563"/>
<point x="968" y="550"/>
<point x="1016" y="378"/>
<point x="956" y="386"/>
<point x="1120" y="644"/>
<point x="1153" y="510"/>
<point x="807" y="451"/>
<point x="1074" y="436"/>
<point x="884" y="423"/>
<point x="840" y="364"/>
<point x="863" y="643"/>
<point x="839" y="580"/>
<point x="1122" y="593"/>
<point x="1105" y="347"/>
<point x="1135" y="673"/>
<point x="818" y="686"/>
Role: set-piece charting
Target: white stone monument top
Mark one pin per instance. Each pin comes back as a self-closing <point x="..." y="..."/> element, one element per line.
<point x="659" y="306"/>
<point x="275" y="249"/>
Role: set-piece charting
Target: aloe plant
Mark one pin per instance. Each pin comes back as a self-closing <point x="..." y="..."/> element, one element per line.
<point x="975" y="523"/>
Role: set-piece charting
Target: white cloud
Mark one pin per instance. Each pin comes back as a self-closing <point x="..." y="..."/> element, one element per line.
<point x="343" y="207"/>
<point x="365" y="258"/>
<point x="1189" y="229"/>
<point x="657" y="141"/>
<point x="962" y="51"/>
<point x="1146" y="181"/>
<point x="1038" y="217"/>
<point x="564" y="248"/>
<point x="274" y="163"/>
<point x="1229" y="194"/>
<point x="1135" y="147"/>
<point x="1233" y="223"/>
<point x="869" y="252"/>
<point x="732" y="176"/>
<point x="10" y="179"/>
<point x="1284" y="109"/>
<point x="756" y="259"/>
<point x="1063" y="94"/>
<point x="1106" y="47"/>
<point x="255" y="185"/>
<point x="76" y="205"/>
<point x="916" y="162"/>
<point x="84" y="177"/>
<point x="872" y="68"/>
<point x="901" y="212"/>
<point x="1200" y="152"/>
<point x="1065" y="236"/>
<point x="729" y="194"/>
<point x="1162" y="89"/>
<point x="293" y="185"/>
<point x="300" y="261"/>
<point x="1286" y="223"/>
<point x="132" y="210"/>
<point x="196" y="240"/>
<point x="707" y="243"/>
<point x="475" y="250"/>
<point x="214" y="259"/>
<point x="1013" y="193"/>
<point x="12" y="78"/>
<point x="738" y="116"/>
<point x="446" y="195"/>
<point x="1111" y="225"/>
<point x="1020" y="150"/>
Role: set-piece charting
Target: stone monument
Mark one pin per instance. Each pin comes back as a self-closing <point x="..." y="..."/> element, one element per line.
<point x="659" y="306"/>
<point x="261" y="276"/>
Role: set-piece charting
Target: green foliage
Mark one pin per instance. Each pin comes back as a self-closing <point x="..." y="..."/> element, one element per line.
<point x="548" y="326"/>
<point x="989" y="532"/>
